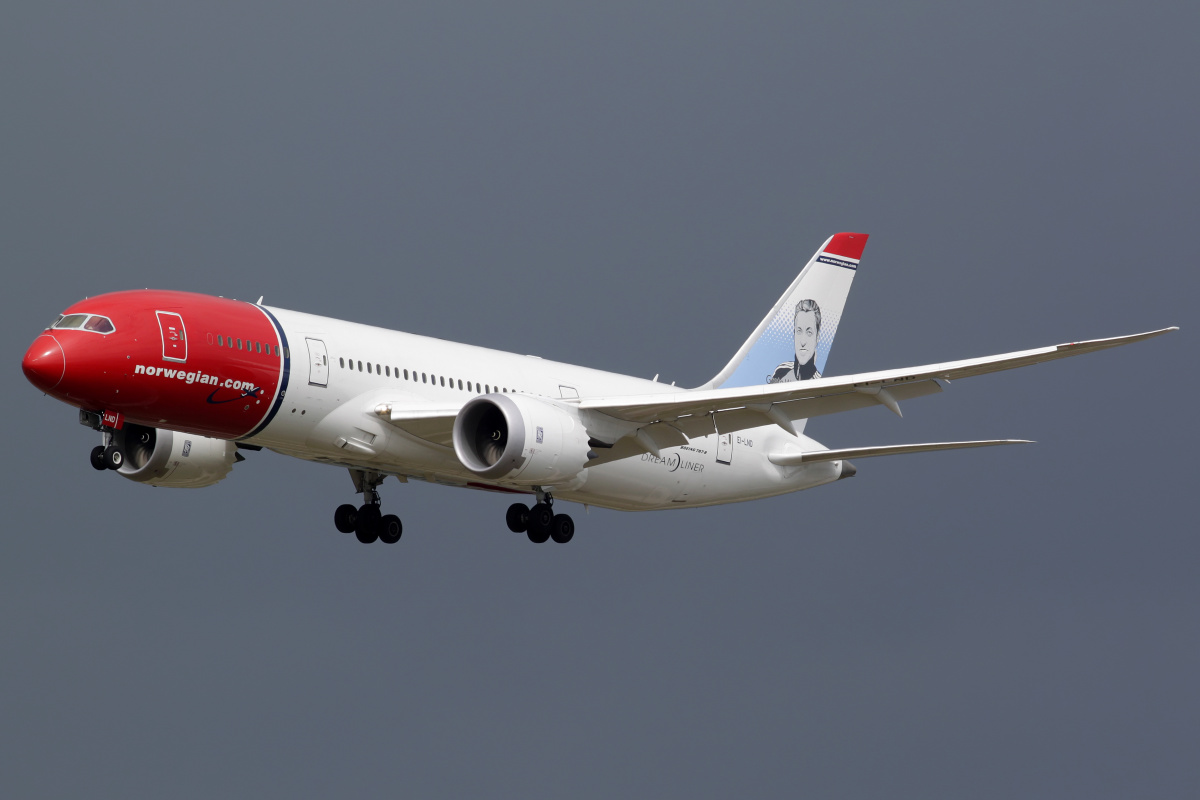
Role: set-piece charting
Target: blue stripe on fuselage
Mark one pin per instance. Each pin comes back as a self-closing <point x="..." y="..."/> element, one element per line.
<point x="283" y="385"/>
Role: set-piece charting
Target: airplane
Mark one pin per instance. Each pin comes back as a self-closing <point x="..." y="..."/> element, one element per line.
<point x="179" y="384"/>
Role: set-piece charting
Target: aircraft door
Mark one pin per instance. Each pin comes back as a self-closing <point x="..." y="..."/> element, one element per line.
<point x="318" y="363"/>
<point x="725" y="449"/>
<point x="174" y="338"/>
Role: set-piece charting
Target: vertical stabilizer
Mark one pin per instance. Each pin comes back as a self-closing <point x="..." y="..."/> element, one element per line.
<point x="793" y="341"/>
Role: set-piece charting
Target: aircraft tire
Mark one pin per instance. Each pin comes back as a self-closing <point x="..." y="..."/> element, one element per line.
<point x="390" y="529"/>
<point x="540" y="517"/>
<point x="538" y="535"/>
<point x="517" y="518"/>
<point x="113" y="457"/>
<point x="97" y="457"/>
<point x="366" y="527"/>
<point x="562" y="528"/>
<point x="345" y="518"/>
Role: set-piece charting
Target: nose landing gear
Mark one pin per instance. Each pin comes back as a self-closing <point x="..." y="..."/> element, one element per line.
<point x="367" y="522"/>
<point x="109" y="455"/>
<point x="540" y="523"/>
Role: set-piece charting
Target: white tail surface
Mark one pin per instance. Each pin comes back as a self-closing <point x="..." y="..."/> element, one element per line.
<point x="792" y="342"/>
<point x="794" y="458"/>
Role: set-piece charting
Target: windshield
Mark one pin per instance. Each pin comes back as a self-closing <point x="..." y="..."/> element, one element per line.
<point x="87" y="322"/>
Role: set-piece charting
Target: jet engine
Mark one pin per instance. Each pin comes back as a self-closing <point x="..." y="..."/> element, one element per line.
<point x="520" y="439"/>
<point x="177" y="460"/>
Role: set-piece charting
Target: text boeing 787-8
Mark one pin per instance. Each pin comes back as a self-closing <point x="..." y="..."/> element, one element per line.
<point x="177" y="383"/>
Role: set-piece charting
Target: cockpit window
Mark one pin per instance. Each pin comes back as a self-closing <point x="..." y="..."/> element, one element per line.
<point x="98" y="324"/>
<point x="93" y="322"/>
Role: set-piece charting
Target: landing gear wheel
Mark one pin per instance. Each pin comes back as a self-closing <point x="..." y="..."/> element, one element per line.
<point x="97" y="457"/>
<point x="390" y="529"/>
<point x="366" y="527"/>
<point x="113" y="457"/>
<point x="367" y="533"/>
<point x="540" y="517"/>
<point x="517" y="518"/>
<point x="562" y="528"/>
<point x="345" y="518"/>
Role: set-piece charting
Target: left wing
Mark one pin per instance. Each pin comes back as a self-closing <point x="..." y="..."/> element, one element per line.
<point x="628" y="425"/>
<point x="660" y="421"/>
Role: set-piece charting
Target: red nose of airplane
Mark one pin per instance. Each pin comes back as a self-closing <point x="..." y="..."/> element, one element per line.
<point x="44" y="363"/>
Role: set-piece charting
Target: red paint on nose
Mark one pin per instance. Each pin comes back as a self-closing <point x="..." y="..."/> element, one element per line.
<point x="44" y="363"/>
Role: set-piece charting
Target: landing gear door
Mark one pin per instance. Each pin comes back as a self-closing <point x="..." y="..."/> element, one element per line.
<point x="174" y="338"/>
<point x="318" y="363"/>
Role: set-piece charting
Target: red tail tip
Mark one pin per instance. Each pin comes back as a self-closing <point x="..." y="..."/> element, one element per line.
<point x="847" y="245"/>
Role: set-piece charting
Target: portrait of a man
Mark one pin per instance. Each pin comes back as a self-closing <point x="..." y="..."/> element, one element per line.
<point x="806" y="329"/>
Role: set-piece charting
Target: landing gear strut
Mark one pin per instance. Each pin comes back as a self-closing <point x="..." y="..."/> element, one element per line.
<point x="540" y="523"/>
<point x="367" y="522"/>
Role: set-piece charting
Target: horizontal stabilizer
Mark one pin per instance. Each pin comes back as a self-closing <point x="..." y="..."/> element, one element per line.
<point x="796" y="458"/>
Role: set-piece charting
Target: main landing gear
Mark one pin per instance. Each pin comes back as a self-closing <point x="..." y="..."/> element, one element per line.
<point x="367" y="522"/>
<point x="540" y="522"/>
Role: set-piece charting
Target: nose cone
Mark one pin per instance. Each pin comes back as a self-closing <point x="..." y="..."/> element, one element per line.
<point x="44" y="363"/>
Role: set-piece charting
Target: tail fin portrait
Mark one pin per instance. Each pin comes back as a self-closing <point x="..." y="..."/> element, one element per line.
<point x="792" y="342"/>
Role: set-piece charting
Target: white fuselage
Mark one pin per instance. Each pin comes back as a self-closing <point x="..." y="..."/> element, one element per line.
<point x="328" y="416"/>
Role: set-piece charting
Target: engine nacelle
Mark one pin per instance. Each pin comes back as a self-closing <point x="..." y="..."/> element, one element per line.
<point x="169" y="458"/>
<point x="520" y="439"/>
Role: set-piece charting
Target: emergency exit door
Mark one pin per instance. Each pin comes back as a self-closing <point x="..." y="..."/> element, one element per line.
<point x="318" y="363"/>
<point x="174" y="338"/>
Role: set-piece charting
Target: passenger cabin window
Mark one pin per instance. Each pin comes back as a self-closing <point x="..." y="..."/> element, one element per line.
<point x="424" y="379"/>
<point x="258" y="347"/>
<point x="239" y="344"/>
<point x="220" y="340"/>
<point x="360" y="366"/>
<point x="342" y="362"/>
<point x="368" y="367"/>
<point x="405" y="374"/>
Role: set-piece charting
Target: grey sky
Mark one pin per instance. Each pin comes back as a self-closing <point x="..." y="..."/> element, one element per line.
<point x="627" y="186"/>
